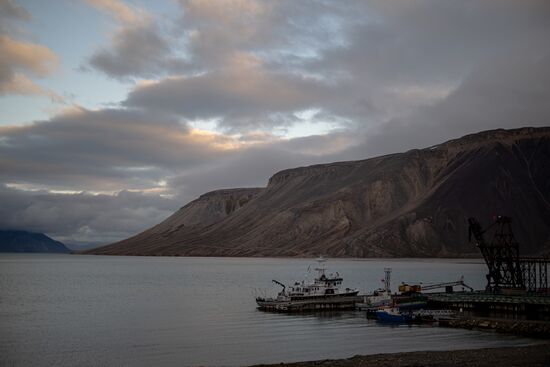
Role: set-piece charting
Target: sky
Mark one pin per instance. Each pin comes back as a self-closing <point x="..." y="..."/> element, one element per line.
<point x="114" y="114"/>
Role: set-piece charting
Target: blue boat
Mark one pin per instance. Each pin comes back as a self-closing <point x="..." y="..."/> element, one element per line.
<point x="393" y="315"/>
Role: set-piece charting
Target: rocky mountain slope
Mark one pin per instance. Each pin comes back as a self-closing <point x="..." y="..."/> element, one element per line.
<point x="22" y="241"/>
<point x="412" y="204"/>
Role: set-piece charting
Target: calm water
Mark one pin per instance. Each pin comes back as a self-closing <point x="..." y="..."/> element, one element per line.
<point x="68" y="310"/>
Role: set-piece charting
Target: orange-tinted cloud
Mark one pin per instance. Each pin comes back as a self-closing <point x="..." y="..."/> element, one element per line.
<point x="119" y="10"/>
<point x="21" y="58"/>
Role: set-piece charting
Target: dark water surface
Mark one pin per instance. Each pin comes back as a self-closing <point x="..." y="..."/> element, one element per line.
<point x="70" y="310"/>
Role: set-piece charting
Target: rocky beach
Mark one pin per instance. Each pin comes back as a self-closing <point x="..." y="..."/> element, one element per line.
<point x="533" y="356"/>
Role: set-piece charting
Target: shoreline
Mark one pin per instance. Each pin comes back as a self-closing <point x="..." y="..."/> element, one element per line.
<point x="457" y="258"/>
<point x="537" y="355"/>
<point x="527" y="328"/>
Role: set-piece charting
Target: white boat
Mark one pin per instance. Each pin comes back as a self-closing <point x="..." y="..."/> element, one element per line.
<point x="324" y="291"/>
<point x="380" y="297"/>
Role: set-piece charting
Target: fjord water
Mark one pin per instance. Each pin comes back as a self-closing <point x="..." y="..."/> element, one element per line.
<point x="69" y="310"/>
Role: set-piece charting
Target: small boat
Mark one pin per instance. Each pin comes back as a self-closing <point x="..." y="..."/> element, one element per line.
<point x="323" y="293"/>
<point x="393" y="315"/>
<point x="380" y="297"/>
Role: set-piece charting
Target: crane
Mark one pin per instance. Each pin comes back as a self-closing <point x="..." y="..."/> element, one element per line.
<point x="279" y="283"/>
<point x="501" y="255"/>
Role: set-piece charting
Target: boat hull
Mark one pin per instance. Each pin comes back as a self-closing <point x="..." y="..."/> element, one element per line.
<point x="384" y="316"/>
<point x="325" y="303"/>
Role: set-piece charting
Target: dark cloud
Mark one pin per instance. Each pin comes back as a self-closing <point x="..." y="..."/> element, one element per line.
<point x="276" y="31"/>
<point x="101" y="150"/>
<point x="364" y="63"/>
<point x="82" y="218"/>
<point x="505" y="93"/>
<point x="137" y="50"/>
<point x="243" y="96"/>
<point x="407" y="56"/>
<point x="138" y="47"/>
<point x="9" y="11"/>
<point x="248" y="168"/>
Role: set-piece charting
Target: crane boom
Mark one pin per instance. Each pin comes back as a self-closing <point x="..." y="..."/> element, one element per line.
<point x="446" y="284"/>
<point x="279" y="283"/>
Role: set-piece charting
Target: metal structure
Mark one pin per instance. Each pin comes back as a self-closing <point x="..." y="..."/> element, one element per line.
<point x="535" y="274"/>
<point x="447" y="284"/>
<point x="418" y="288"/>
<point x="507" y="270"/>
<point x="387" y="280"/>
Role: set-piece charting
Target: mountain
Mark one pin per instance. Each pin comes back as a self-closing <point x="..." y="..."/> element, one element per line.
<point x="77" y="247"/>
<point x="22" y="241"/>
<point x="412" y="204"/>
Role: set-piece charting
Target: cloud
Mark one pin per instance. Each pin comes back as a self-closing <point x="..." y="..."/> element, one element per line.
<point x="104" y="150"/>
<point x="24" y="57"/>
<point x="21" y="59"/>
<point x="138" y="48"/>
<point x="500" y="93"/>
<point x="244" y="95"/>
<point x="82" y="218"/>
<point x="250" y="167"/>
<point x="407" y="56"/>
<point x="122" y="12"/>
<point x="362" y="63"/>
<point x="10" y="11"/>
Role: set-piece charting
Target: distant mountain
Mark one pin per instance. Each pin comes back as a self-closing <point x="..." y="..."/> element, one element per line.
<point x="412" y="204"/>
<point x="22" y="241"/>
<point x="76" y="247"/>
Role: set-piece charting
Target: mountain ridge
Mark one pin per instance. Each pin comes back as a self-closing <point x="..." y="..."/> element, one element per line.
<point x="410" y="204"/>
<point x="24" y="241"/>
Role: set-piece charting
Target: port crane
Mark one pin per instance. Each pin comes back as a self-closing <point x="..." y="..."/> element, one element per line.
<point x="501" y="255"/>
<point x="507" y="270"/>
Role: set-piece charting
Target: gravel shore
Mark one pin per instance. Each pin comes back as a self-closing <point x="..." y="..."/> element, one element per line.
<point x="533" y="356"/>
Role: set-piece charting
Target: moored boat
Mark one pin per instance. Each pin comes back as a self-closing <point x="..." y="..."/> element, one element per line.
<point x="380" y="297"/>
<point x="324" y="292"/>
<point x="393" y="315"/>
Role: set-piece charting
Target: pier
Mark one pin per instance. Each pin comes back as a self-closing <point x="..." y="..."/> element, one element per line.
<point x="484" y="304"/>
<point x="329" y="304"/>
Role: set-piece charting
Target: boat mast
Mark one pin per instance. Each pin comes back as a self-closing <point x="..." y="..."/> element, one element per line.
<point x="321" y="269"/>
